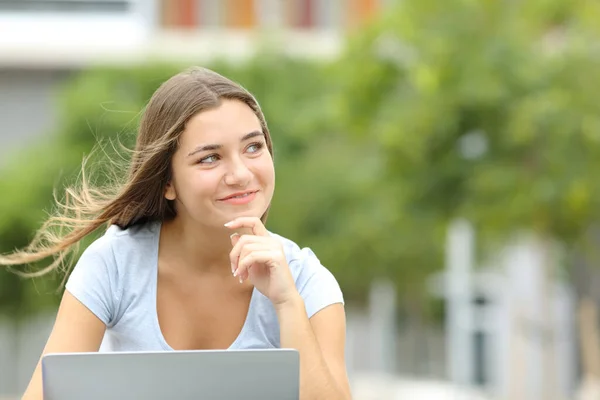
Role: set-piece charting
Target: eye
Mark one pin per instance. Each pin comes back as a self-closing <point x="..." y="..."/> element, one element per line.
<point x="255" y="147"/>
<point x="209" y="159"/>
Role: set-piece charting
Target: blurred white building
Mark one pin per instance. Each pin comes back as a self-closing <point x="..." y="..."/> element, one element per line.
<point x="42" y="42"/>
<point x="510" y="324"/>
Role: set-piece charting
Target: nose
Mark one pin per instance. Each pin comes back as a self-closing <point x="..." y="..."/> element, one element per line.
<point x="238" y="173"/>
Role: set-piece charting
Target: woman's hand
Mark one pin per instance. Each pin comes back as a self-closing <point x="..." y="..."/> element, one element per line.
<point x="260" y="258"/>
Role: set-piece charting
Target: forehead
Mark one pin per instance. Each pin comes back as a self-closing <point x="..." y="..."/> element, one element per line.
<point x="230" y="121"/>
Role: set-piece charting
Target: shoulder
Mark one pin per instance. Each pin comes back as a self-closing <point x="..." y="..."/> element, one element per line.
<point x="300" y="259"/>
<point x="291" y="249"/>
<point x="117" y="244"/>
<point x="115" y="255"/>
<point x="120" y="253"/>
<point x="107" y="266"/>
<point x="316" y="284"/>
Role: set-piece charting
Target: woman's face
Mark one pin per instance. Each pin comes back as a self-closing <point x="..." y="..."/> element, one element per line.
<point x="222" y="168"/>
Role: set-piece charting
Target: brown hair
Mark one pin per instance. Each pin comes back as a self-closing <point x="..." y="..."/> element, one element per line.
<point x="140" y="198"/>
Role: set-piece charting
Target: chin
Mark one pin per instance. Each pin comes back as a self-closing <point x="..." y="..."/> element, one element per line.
<point x="248" y="212"/>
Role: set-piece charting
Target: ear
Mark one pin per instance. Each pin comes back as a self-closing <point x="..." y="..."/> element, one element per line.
<point x="170" y="193"/>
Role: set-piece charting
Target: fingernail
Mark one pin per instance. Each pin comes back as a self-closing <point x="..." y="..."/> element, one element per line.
<point x="241" y="281"/>
<point x="233" y="269"/>
<point x="229" y="223"/>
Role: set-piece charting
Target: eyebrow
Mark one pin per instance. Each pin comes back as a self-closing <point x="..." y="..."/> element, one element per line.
<point x="211" y="147"/>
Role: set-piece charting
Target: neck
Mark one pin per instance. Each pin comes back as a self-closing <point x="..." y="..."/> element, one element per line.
<point x="198" y="248"/>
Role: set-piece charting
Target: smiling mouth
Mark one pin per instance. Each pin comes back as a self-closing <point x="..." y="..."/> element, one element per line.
<point x="239" y="196"/>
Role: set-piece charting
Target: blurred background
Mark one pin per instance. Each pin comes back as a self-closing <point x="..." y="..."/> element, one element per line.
<point x="438" y="156"/>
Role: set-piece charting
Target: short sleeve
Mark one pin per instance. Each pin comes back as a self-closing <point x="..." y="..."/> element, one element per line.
<point x="316" y="284"/>
<point x="90" y="281"/>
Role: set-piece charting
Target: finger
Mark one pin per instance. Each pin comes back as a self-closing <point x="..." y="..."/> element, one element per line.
<point x="255" y="257"/>
<point x="235" y="238"/>
<point x="242" y="249"/>
<point x="255" y="224"/>
<point x="246" y="274"/>
<point x="240" y="243"/>
<point x="252" y="271"/>
<point x="252" y="264"/>
<point x="247" y="245"/>
<point x="255" y="271"/>
<point x="234" y="254"/>
<point x="243" y="275"/>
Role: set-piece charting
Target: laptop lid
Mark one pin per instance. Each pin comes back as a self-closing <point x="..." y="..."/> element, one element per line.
<point x="205" y="374"/>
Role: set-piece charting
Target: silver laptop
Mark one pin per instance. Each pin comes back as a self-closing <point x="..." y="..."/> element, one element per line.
<point x="202" y="374"/>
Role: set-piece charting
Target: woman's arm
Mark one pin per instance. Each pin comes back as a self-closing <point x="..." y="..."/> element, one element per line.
<point x="76" y="329"/>
<point x="321" y="344"/>
<point x="320" y="340"/>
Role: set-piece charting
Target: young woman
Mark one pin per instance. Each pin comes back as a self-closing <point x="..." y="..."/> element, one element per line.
<point x="186" y="261"/>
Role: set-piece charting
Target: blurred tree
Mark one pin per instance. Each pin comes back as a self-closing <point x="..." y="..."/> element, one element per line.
<point x="483" y="109"/>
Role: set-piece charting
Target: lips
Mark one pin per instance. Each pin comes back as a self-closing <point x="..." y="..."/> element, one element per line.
<point x="239" y="195"/>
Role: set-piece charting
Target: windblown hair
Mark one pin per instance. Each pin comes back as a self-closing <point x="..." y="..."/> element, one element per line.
<point x="140" y="196"/>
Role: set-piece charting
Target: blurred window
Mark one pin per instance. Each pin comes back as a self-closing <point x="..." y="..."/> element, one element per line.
<point x="330" y="13"/>
<point x="240" y="14"/>
<point x="211" y="13"/>
<point x="271" y="13"/>
<point x="190" y="14"/>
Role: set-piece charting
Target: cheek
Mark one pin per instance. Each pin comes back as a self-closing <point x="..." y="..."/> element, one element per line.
<point x="207" y="182"/>
<point x="266" y="170"/>
<point x="197" y="184"/>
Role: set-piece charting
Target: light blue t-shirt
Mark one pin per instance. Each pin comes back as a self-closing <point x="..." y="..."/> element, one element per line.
<point x="116" y="278"/>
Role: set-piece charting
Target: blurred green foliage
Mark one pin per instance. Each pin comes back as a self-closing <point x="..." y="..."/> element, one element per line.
<point x="480" y="109"/>
<point x="484" y="109"/>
